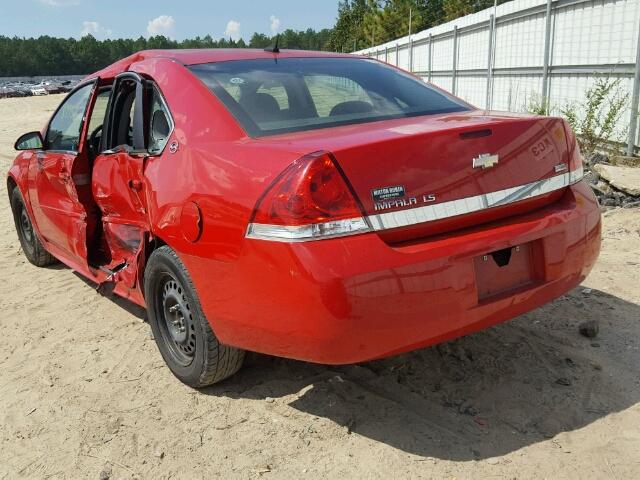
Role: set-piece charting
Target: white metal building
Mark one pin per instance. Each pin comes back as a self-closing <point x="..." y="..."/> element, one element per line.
<point x="502" y="57"/>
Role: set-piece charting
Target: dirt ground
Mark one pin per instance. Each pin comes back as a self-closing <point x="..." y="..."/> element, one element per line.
<point x="85" y="394"/>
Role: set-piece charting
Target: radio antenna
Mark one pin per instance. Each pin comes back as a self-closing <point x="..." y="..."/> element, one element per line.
<point x="274" y="48"/>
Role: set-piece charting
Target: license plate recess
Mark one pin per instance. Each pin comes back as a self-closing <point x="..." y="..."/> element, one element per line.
<point x="505" y="271"/>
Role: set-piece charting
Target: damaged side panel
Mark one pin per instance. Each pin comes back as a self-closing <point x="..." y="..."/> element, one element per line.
<point x="124" y="227"/>
<point x="57" y="210"/>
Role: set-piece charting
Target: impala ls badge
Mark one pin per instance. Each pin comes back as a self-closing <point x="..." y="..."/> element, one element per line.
<point x="394" y="197"/>
<point x="485" y="160"/>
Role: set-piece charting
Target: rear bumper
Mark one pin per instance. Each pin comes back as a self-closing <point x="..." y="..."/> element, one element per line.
<point x="353" y="299"/>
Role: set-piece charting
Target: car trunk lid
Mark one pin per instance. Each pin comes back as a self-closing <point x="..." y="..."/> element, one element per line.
<point x="398" y="167"/>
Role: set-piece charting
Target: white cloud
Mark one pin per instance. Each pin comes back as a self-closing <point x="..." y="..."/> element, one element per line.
<point x="94" y="29"/>
<point x="275" y="24"/>
<point x="60" y="3"/>
<point x="233" y="30"/>
<point x="162" y="25"/>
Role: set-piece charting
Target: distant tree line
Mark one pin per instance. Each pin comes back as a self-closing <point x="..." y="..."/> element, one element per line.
<point x="67" y="56"/>
<point x="359" y="24"/>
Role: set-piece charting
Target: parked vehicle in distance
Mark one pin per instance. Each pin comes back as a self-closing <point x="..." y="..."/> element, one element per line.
<point x="52" y="87"/>
<point x="38" y="90"/>
<point x="24" y="89"/>
<point x="19" y="89"/>
<point x="8" y="92"/>
<point x="310" y="205"/>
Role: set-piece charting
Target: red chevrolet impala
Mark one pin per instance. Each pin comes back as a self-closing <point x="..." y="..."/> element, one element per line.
<point x="316" y="206"/>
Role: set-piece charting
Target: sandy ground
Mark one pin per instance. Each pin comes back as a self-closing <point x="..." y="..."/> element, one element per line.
<point x="84" y="390"/>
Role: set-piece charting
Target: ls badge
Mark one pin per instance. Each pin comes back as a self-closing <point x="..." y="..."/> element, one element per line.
<point x="486" y="160"/>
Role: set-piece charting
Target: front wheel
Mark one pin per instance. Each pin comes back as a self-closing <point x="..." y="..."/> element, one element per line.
<point x="180" y="328"/>
<point x="29" y="241"/>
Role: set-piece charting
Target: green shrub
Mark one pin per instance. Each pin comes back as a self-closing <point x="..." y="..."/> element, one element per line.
<point x="594" y="120"/>
<point x="538" y="105"/>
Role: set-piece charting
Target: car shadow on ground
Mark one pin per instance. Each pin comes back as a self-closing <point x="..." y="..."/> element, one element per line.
<point x="57" y="266"/>
<point x="480" y="396"/>
<point x="106" y="290"/>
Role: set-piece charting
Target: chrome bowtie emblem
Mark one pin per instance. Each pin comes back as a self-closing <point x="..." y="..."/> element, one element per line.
<point x="486" y="160"/>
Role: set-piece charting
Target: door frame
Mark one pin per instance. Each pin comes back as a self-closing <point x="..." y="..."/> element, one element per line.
<point x="126" y="261"/>
<point x="139" y="125"/>
<point x="77" y="260"/>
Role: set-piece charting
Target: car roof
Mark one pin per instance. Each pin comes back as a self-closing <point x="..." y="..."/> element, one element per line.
<point x="207" y="55"/>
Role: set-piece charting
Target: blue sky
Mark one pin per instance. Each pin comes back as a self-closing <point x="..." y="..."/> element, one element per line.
<point x="174" y="18"/>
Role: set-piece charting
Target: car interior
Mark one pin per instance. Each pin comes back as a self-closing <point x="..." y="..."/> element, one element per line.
<point x="96" y="122"/>
<point x="294" y="98"/>
<point x="299" y="94"/>
<point x="106" y="139"/>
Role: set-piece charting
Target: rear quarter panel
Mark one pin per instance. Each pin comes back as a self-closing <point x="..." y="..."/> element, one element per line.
<point x="216" y="166"/>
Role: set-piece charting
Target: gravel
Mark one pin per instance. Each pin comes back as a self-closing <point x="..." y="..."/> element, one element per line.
<point x="609" y="194"/>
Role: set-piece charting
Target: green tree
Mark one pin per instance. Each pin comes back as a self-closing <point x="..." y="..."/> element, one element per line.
<point x="348" y="34"/>
<point x="359" y="24"/>
<point x="457" y="8"/>
<point x="431" y="14"/>
<point x="259" y="40"/>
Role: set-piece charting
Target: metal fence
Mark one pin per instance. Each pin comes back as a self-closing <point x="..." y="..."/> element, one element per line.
<point x="552" y="50"/>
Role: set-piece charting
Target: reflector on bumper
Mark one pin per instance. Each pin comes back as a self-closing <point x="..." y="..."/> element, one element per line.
<point x="576" y="175"/>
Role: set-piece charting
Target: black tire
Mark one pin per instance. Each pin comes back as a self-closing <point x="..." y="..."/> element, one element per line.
<point x="31" y="246"/>
<point x="180" y="328"/>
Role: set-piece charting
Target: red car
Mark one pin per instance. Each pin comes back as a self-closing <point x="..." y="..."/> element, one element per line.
<point x="310" y="205"/>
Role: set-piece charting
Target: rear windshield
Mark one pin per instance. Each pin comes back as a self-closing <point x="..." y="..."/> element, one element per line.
<point x="295" y="94"/>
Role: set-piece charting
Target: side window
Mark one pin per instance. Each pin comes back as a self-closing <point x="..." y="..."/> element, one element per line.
<point x="97" y="119"/>
<point x="99" y="111"/>
<point x="161" y="123"/>
<point x="333" y="95"/>
<point x="64" y="129"/>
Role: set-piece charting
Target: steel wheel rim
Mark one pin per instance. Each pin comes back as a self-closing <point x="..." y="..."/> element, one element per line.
<point x="26" y="228"/>
<point x="176" y="322"/>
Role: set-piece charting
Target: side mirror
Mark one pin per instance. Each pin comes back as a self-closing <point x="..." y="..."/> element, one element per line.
<point x="29" y="141"/>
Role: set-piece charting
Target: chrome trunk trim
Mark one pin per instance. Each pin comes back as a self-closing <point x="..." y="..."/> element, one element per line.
<point x="463" y="206"/>
<point x="411" y="216"/>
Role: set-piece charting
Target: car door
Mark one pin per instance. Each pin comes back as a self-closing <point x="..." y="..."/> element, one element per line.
<point x="119" y="184"/>
<point x="57" y="210"/>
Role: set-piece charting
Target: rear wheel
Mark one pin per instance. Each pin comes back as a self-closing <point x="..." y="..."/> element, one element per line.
<point x="180" y="328"/>
<point x="31" y="246"/>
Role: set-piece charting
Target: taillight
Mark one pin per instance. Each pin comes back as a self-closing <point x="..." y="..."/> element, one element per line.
<point x="310" y="200"/>
<point x="576" y="170"/>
